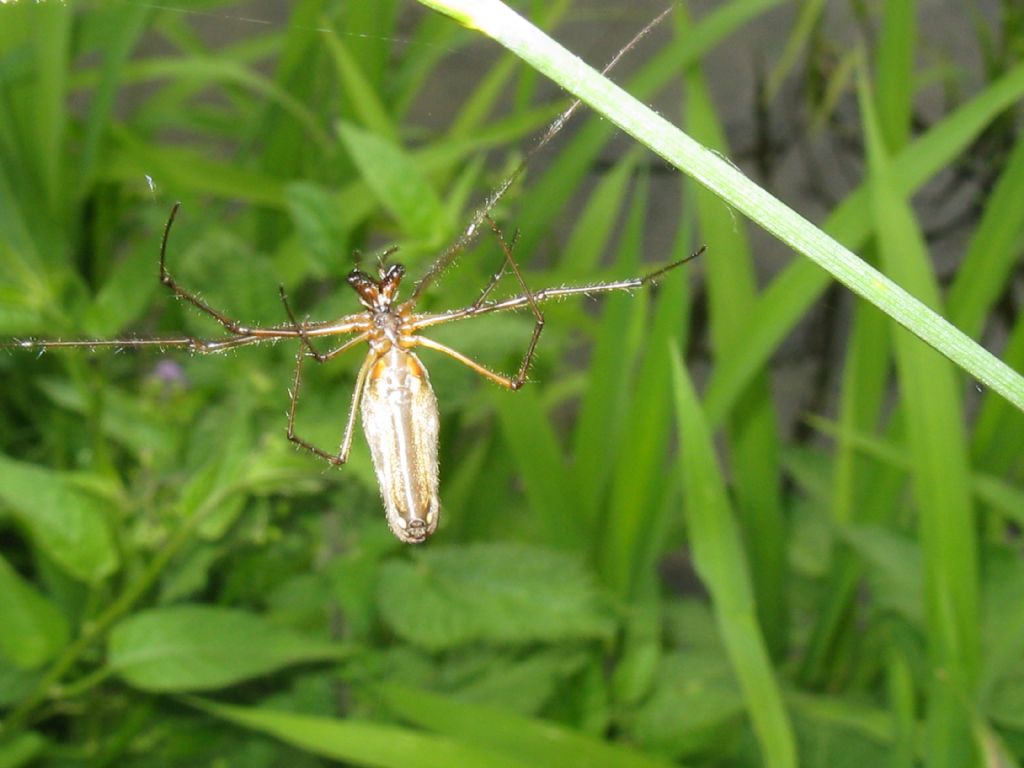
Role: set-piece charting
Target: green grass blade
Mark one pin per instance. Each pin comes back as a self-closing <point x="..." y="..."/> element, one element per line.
<point x="720" y="560"/>
<point x="396" y="182"/>
<point x="894" y="72"/>
<point x="633" y="523"/>
<point x="594" y="226"/>
<point x="937" y="443"/>
<point x="751" y="428"/>
<point x="865" y="385"/>
<point x="226" y="72"/>
<point x="373" y="114"/>
<point x="599" y="422"/>
<point x="809" y="18"/>
<point x="52" y="27"/>
<point x="858" y="492"/>
<point x="185" y="169"/>
<point x="790" y="295"/>
<point x="475" y="109"/>
<point x="125" y="31"/>
<point x="534" y="742"/>
<point x="359" y="742"/>
<point x="498" y="21"/>
<point x="372" y="30"/>
<point x="560" y="182"/>
<point x="541" y="463"/>
<point x="994" y="248"/>
<point x="998" y="442"/>
<point x="998" y="493"/>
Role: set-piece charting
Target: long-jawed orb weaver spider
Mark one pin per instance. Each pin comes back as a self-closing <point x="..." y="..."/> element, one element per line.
<point x="392" y="388"/>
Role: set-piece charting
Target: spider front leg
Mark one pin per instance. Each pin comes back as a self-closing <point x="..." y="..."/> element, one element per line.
<point x="230" y="325"/>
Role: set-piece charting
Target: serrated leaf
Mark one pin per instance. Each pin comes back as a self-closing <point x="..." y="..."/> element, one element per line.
<point x="200" y="648"/>
<point x="32" y="629"/>
<point x="894" y="569"/>
<point x="64" y="521"/>
<point x="522" y="685"/>
<point x="693" y="705"/>
<point x="836" y="734"/>
<point x="497" y="593"/>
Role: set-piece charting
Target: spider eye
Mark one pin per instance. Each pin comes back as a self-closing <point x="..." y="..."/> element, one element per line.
<point x="389" y="280"/>
<point x="365" y="286"/>
<point x="357" y="279"/>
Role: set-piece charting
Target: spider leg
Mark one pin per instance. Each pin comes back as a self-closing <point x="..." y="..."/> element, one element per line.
<point x="229" y="324"/>
<point x="303" y="336"/>
<point x="339" y="458"/>
<point x="470" y="233"/>
<point x="191" y="343"/>
<point x="545" y="294"/>
<point x="538" y="325"/>
<point x="508" y="382"/>
<point x="496" y="277"/>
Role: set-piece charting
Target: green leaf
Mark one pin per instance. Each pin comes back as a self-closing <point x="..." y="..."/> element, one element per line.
<point x="64" y="521"/>
<point x="534" y="742"/>
<point x="321" y="226"/>
<point x="994" y="249"/>
<point x="751" y="430"/>
<point x="695" y="705"/>
<point x="21" y="750"/>
<point x="32" y="630"/>
<point x="931" y="409"/>
<point x="520" y="684"/>
<point x="895" y="71"/>
<point x="498" y="593"/>
<point x="724" y="179"/>
<point x="198" y="648"/>
<point x="123" y="297"/>
<point x="15" y="683"/>
<point x="833" y="733"/>
<point x="397" y="183"/>
<point x="533" y="443"/>
<point x="893" y="566"/>
<point x="787" y="299"/>
<point x="721" y="562"/>
<point x="373" y="114"/>
<point x="360" y="743"/>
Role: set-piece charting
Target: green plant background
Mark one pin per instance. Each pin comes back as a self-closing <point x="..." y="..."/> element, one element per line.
<point x="626" y="573"/>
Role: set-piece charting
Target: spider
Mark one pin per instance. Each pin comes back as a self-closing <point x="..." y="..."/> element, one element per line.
<point x="392" y="388"/>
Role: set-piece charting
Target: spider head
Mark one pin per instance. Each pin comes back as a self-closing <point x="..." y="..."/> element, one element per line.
<point x="377" y="295"/>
